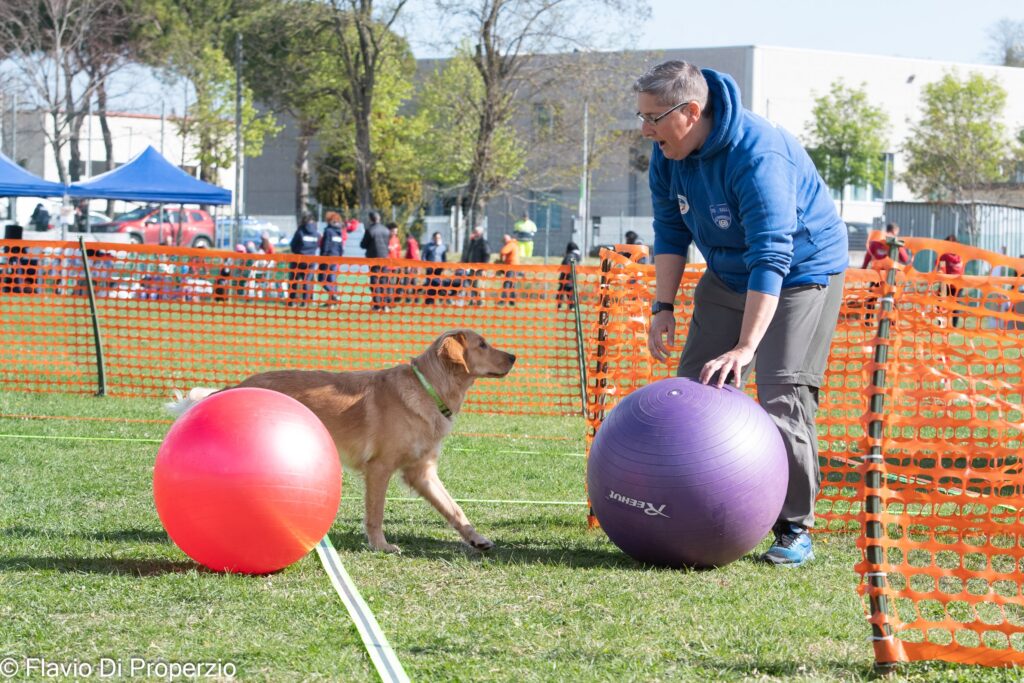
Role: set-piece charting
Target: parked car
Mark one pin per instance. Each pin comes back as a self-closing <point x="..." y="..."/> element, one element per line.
<point x="252" y="230"/>
<point x="858" y="233"/>
<point x="156" y="225"/>
<point x="96" y="218"/>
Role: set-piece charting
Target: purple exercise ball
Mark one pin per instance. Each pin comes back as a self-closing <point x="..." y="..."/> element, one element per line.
<point x="682" y="474"/>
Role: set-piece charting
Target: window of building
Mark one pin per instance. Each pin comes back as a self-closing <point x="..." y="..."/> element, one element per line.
<point x="543" y="120"/>
<point x="546" y="210"/>
<point x="880" y="194"/>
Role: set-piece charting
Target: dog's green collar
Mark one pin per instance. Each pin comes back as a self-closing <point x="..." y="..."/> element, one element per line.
<point x="445" y="410"/>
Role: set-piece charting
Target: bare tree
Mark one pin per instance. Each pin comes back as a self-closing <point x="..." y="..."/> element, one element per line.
<point x="1007" y="42"/>
<point x="308" y="94"/>
<point x="363" y="41"/>
<point x="44" y="41"/>
<point x="585" y="95"/>
<point x="101" y="53"/>
<point x="508" y="38"/>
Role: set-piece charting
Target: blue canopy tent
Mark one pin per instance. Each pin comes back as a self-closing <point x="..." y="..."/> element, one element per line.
<point x="17" y="182"/>
<point x="149" y="177"/>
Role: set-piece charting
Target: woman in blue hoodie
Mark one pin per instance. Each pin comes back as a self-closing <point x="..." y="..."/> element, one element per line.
<point x="747" y="196"/>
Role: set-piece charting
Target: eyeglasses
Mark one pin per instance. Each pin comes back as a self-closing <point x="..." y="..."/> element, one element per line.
<point x="653" y="120"/>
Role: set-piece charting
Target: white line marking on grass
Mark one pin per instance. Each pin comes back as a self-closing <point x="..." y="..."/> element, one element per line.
<point x="133" y="440"/>
<point x="384" y="658"/>
<point x="507" y="452"/>
<point x="488" y="500"/>
<point x="77" y="438"/>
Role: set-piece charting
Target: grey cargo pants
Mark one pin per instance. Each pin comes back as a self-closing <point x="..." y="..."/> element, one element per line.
<point x="790" y="364"/>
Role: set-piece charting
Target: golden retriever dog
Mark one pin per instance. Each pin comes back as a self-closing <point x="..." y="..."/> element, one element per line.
<point x="386" y="421"/>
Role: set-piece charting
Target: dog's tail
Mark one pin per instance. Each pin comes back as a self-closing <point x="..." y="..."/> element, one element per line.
<point x="182" y="402"/>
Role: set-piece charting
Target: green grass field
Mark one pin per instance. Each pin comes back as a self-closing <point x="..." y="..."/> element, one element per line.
<point x="87" y="572"/>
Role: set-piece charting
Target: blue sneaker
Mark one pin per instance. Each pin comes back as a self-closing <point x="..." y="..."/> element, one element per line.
<point x="792" y="545"/>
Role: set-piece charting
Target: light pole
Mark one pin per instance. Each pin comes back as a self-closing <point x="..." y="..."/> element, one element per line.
<point x="584" y="208"/>
<point x="547" y="229"/>
<point x="236" y="226"/>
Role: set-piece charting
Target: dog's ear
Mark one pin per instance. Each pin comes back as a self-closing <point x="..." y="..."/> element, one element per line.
<point x="453" y="350"/>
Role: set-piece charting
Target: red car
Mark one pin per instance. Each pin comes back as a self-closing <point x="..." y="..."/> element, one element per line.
<point x="175" y="226"/>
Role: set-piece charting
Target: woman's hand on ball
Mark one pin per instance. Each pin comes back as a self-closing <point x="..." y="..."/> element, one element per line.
<point x="730" y="363"/>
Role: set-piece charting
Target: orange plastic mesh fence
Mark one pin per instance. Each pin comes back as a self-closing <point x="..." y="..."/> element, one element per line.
<point x="175" y="318"/>
<point x="47" y="340"/>
<point x="621" y="364"/>
<point x="951" y="499"/>
<point x="951" y="496"/>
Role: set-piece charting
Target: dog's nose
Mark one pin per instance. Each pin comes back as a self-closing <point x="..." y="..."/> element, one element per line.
<point x="511" y="357"/>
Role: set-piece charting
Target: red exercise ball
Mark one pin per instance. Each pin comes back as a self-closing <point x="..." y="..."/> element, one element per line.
<point x="247" y="481"/>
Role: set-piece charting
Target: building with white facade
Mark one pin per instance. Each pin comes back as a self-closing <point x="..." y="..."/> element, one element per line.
<point x="782" y="85"/>
<point x="25" y="140"/>
<point x="778" y="83"/>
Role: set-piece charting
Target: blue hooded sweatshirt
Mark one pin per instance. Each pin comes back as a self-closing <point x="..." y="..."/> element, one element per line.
<point x="751" y="201"/>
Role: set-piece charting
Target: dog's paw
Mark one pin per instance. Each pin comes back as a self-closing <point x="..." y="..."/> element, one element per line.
<point x="480" y="542"/>
<point x="385" y="547"/>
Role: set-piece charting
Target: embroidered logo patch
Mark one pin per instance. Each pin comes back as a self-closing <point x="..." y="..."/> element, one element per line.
<point x="721" y="215"/>
<point x="684" y="204"/>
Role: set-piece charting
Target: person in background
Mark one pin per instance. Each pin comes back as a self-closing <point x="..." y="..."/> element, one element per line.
<point x="266" y="284"/>
<point x="525" y="231"/>
<point x="476" y="251"/>
<point x="331" y="244"/>
<point x="231" y="276"/>
<point x="394" y="242"/>
<point x="565" y="286"/>
<point x="878" y="250"/>
<point x="351" y="225"/>
<point x="412" y="248"/>
<point x="633" y="238"/>
<point x="509" y="256"/>
<point x="82" y="215"/>
<point x="747" y="195"/>
<point x="266" y="244"/>
<point x="411" y="253"/>
<point x="877" y="256"/>
<point x="434" y="251"/>
<point x="375" y="243"/>
<point x="304" y="242"/>
<point x="40" y="219"/>
<point x="950" y="263"/>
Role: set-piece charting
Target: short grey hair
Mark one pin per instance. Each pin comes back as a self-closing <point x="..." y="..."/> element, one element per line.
<point x="673" y="82"/>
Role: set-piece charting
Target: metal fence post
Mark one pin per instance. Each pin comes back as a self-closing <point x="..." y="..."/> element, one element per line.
<point x="101" y="374"/>
<point x="881" y="630"/>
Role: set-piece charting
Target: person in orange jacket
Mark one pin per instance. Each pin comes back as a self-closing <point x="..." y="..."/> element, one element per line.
<point x="509" y="256"/>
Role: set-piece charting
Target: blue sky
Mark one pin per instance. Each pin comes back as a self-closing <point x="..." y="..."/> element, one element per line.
<point x="953" y="30"/>
<point x="948" y="30"/>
